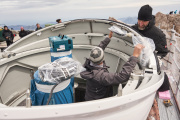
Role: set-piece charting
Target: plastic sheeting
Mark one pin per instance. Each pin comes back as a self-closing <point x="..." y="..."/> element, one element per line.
<point x="64" y="96"/>
<point x="60" y="70"/>
<point x="147" y="42"/>
<point x="40" y="98"/>
<point x="147" y="51"/>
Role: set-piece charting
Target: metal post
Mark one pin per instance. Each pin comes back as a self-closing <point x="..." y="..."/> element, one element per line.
<point x="28" y="99"/>
<point x="74" y="91"/>
<point x="173" y="37"/>
<point x="119" y="90"/>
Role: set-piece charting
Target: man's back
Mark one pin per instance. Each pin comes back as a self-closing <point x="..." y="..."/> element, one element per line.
<point x="94" y="88"/>
<point x="99" y="80"/>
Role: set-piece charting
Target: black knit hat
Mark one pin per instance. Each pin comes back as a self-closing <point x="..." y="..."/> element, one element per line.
<point x="145" y="13"/>
<point x="5" y="26"/>
<point x="58" y="20"/>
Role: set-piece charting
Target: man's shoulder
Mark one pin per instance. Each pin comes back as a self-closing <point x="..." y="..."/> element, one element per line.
<point x="157" y="31"/>
<point x="21" y="32"/>
<point x="8" y="31"/>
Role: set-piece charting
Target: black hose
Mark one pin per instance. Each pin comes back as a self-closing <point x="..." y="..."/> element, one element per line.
<point x="62" y="37"/>
<point x="51" y="94"/>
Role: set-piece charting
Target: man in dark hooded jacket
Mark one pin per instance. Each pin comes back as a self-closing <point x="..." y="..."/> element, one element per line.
<point x="97" y="74"/>
<point x="8" y="35"/>
<point x="146" y="26"/>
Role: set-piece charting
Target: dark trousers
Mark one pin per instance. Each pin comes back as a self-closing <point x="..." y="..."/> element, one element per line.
<point x="8" y="42"/>
<point x="165" y="85"/>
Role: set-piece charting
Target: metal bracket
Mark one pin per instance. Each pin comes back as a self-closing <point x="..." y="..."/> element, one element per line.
<point x="58" y="28"/>
<point x="38" y="34"/>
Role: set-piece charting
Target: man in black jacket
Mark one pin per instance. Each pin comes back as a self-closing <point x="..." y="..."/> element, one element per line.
<point x="8" y="35"/>
<point x="22" y="33"/>
<point x="146" y="26"/>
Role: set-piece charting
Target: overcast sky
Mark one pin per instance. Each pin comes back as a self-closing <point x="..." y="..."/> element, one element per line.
<point x="29" y="12"/>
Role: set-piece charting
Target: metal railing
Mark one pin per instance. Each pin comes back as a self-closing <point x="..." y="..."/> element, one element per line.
<point x="173" y="38"/>
<point x="175" y="72"/>
<point x="177" y="34"/>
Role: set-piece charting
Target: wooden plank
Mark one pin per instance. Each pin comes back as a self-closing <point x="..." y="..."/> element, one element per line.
<point x="162" y="110"/>
<point x="168" y="113"/>
<point x="172" y="111"/>
<point x="178" y="97"/>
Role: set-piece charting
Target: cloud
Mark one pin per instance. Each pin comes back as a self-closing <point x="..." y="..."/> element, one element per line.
<point x="42" y="11"/>
<point x="25" y="4"/>
<point x="78" y="4"/>
<point x="109" y="4"/>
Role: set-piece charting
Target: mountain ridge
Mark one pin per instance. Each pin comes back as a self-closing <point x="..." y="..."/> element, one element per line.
<point x="127" y="20"/>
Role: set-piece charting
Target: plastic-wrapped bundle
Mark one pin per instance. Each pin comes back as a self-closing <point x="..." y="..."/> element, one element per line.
<point x="147" y="51"/>
<point x="147" y="42"/>
<point x="118" y="31"/>
<point x="60" y="70"/>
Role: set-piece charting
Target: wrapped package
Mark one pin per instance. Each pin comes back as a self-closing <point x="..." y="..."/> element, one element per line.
<point x="147" y="51"/>
<point x="60" y="70"/>
<point x="118" y="31"/>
